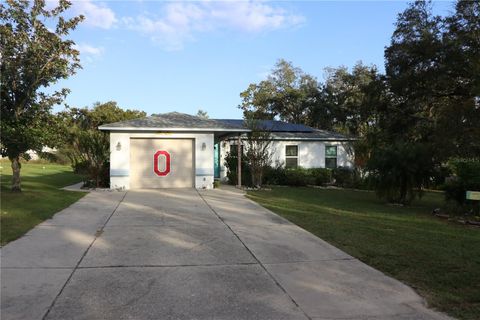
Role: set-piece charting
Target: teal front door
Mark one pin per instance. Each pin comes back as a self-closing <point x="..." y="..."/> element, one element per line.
<point x="216" y="161"/>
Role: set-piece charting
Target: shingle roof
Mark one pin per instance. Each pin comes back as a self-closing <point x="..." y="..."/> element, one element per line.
<point x="175" y="121"/>
<point x="270" y="125"/>
<point x="172" y="121"/>
<point x="314" y="135"/>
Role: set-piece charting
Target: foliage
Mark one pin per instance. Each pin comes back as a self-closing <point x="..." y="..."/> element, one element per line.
<point x="33" y="57"/>
<point x="321" y="176"/>
<point x="202" y="114"/>
<point x="231" y="164"/>
<point x="349" y="98"/>
<point x="427" y="103"/>
<point x="400" y="171"/>
<point x="345" y="177"/>
<point x="432" y="67"/>
<point x="466" y="177"/>
<point x="433" y="109"/>
<point x="274" y="175"/>
<point x="343" y="103"/>
<point x="87" y="147"/>
<point x="258" y="155"/>
<point x="297" y="177"/>
<point x="288" y="93"/>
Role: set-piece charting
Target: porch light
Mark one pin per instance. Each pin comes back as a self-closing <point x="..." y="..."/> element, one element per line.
<point x="119" y="146"/>
<point x="204" y="146"/>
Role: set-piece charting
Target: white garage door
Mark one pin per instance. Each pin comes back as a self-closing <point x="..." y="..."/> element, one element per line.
<point x="161" y="163"/>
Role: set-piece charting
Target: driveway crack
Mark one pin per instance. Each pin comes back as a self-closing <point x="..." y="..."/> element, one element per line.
<point x="97" y="234"/>
<point x="255" y="257"/>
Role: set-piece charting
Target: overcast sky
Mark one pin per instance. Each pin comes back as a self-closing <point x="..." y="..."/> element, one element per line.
<point x="183" y="56"/>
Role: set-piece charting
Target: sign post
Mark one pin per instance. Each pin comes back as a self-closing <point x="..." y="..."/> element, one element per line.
<point x="473" y="195"/>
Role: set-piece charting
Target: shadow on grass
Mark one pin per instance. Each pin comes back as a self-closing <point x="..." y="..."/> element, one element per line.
<point x="39" y="200"/>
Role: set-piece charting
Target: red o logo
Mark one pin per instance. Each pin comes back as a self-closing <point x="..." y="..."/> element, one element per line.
<point x="167" y="163"/>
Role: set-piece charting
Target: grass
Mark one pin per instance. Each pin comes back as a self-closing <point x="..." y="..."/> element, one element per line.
<point x="40" y="199"/>
<point x="439" y="259"/>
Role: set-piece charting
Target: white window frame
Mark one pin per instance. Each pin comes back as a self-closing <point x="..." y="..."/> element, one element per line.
<point x="330" y="157"/>
<point x="291" y="157"/>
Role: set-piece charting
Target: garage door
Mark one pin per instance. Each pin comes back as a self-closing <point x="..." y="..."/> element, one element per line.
<point x="161" y="163"/>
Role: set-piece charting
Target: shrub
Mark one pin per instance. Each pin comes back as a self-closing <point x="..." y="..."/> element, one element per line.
<point x="298" y="177"/>
<point x="288" y="177"/>
<point x="231" y="163"/>
<point x="466" y="177"/>
<point x="400" y="171"/>
<point x="321" y="176"/>
<point x="275" y="176"/>
<point x="88" y="148"/>
<point x="439" y="176"/>
<point x="345" y="177"/>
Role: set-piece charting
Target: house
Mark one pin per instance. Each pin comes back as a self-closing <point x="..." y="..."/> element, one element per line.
<point x="176" y="150"/>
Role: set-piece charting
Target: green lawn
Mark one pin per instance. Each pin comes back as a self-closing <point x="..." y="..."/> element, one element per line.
<point x="41" y="197"/>
<point x="439" y="259"/>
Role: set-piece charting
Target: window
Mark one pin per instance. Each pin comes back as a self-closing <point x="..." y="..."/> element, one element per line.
<point x="291" y="156"/>
<point x="331" y="157"/>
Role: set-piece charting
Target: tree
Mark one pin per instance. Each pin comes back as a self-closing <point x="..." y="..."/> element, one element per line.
<point x="351" y="97"/>
<point x="402" y="155"/>
<point x="258" y="153"/>
<point x="459" y="118"/>
<point x="202" y="114"/>
<point x="87" y="147"/>
<point x="400" y="171"/>
<point x="288" y="93"/>
<point x="33" y="57"/>
<point x="432" y="67"/>
<point x="350" y="102"/>
<point x="432" y="108"/>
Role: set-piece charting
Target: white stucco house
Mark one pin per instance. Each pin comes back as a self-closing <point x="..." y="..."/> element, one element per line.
<point x="176" y="150"/>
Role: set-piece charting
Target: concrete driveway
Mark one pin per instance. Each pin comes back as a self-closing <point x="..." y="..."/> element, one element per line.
<point x="183" y="254"/>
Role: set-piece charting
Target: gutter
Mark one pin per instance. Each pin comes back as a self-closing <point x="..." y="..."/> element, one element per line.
<point x="103" y="128"/>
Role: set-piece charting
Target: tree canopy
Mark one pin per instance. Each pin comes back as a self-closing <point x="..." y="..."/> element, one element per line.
<point x="287" y="93"/>
<point x="33" y="57"/>
<point x="409" y="121"/>
<point x="87" y="147"/>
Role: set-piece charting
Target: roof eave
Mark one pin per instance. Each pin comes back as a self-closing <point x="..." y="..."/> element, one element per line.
<point x="106" y="128"/>
<point x="308" y="139"/>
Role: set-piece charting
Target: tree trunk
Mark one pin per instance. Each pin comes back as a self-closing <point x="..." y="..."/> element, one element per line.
<point x="16" y="166"/>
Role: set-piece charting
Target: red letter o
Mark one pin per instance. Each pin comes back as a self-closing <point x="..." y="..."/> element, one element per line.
<point x="167" y="163"/>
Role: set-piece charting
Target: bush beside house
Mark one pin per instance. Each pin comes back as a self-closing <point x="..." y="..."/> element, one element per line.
<point x="466" y="176"/>
<point x="295" y="177"/>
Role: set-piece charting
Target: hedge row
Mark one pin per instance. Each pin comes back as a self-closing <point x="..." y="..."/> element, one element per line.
<point x="341" y="177"/>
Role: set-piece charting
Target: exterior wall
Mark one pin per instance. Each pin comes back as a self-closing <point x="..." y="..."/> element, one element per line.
<point x="120" y="159"/>
<point x="311" y="154"/>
